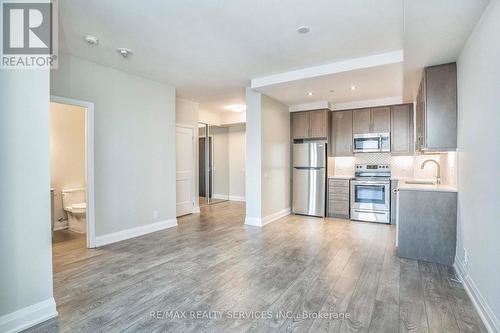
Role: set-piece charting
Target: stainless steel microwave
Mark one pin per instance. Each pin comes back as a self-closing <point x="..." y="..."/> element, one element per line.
<point x="372" y="143"/>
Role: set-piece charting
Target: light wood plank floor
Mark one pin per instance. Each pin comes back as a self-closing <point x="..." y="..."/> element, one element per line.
<point x="264" y="280"/>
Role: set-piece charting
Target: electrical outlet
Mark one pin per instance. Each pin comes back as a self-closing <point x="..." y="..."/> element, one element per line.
<point x="466" y="258"/>
<point x="155" y="214"/>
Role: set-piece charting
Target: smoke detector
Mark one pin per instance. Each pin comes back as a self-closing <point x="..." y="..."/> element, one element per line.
<point x="125" y="52"/>
<point x="92" y="40"/>
<point x="303" y="29"/>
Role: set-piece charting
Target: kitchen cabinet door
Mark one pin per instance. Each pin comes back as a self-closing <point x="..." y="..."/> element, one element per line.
<point x="300" y="125"/>
<point x="441" y="107"/>
<point x="436" y="111"/>
<point x="361" y="121"/>
<point x="318" y="124"/>
<point x="402" y="129"/>
<point x="380" y="120"/>
<point x="341" y="133"/>
<point x="427" y="226"/>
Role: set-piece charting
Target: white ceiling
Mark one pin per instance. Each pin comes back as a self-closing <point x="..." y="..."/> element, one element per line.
<point x="210" y="50"/>
<point x="371" y="83"/>
<point x="435" y="33"/>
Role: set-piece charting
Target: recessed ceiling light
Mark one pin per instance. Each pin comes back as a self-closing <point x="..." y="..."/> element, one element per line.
<point x="92" y="40"/>
<point x="124" y="52"/>
<point x="236" y="107"/>
<point x="309" y="93"/>
<point x="353" y="87"/>
<point x="303" y="29"/>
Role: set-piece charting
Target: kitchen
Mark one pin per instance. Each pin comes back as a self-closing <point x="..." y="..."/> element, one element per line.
<point x="390" y="164"/>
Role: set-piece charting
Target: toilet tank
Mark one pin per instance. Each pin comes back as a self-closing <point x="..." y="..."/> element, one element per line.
<point x="73" y="196"/>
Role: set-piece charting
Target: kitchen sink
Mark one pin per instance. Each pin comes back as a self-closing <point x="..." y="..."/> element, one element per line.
<point x="420" y="182"/>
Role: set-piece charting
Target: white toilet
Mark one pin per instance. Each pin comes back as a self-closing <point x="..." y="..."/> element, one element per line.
<point x="74" y="203"/>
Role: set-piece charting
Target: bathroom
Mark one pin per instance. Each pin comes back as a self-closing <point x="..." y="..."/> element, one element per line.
<point x="68" y="174"/>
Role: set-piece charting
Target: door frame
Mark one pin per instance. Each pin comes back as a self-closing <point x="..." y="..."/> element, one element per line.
<point x="89" y="161"/>
<point x="209" y="188"/>
<point x="195" y="205"/>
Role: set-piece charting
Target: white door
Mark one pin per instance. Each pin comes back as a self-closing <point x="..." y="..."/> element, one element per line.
<point x="184" y="174"/>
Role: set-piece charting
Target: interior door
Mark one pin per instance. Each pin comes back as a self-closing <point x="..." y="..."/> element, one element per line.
<point x="184" y="170"/>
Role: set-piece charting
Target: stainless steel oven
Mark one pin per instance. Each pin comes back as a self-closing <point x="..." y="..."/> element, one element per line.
<point x="370" y="194"/>
<point x="372" y="143"/>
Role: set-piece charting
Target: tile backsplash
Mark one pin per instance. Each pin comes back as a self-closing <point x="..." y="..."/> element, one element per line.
<point x="401" y="166"/>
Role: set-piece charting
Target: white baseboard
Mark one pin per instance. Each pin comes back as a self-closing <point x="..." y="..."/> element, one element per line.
<point x="228" y="197"/>
<point x="134" y="232"/>
<point x="28" y="317"/>
<point x="236" y="198"/>
<point x="487" y="316"/>
<point x="196" y="209"/>
<point x="260" y="222"/>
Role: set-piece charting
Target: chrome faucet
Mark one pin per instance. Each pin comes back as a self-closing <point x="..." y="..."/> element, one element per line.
<point x="438" y="170"/>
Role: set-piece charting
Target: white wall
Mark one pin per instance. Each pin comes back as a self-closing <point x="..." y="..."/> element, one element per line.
<point x="67" y="151"/>
<point x="134" y="142"/>
<point x="25" y="236"/>
<point x="222" y="118"/>
<point x="253" y="148"/>
<point x="237" y="160"/>
<point x="479" y="157"/>
<point x="275" y="156"/>
<point x="210" y="118"/>
<point x="268" y="159"/>
<point x="186" y="113"/>
<point x="229" y="118"/>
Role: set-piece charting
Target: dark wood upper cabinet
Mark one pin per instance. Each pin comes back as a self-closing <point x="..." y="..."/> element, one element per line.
<point x="436" y="111"/>
<point x="361" y="121"/>
<point x="402" y="129"/>
<point x="341" y="134"/>
<point x="310" y="124"/>
<point x="374" y="120"/>
<point x="380" y="120"/>
<point x="300" y="127"/>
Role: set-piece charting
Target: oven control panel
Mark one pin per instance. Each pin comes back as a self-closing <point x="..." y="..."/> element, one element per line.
<point x="373" y="170"/>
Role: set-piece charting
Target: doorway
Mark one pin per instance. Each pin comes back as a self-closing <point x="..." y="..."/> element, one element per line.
<point x="72" y="174"/>
<point x="213" y="167"/>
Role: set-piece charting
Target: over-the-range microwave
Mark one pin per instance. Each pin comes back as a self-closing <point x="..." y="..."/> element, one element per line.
<point x="372" y="143"/>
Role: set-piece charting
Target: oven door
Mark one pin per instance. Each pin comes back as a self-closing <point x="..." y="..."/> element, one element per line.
<point x="367" y="143"/>
<point x="370" y="195"/>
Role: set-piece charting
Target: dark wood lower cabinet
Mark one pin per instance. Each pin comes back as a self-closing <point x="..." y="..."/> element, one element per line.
<point x="427" y="225"/>
<point x="338" y="198"/>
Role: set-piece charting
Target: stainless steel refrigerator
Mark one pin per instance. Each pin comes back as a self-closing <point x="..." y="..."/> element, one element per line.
<point x="309" y="178"/>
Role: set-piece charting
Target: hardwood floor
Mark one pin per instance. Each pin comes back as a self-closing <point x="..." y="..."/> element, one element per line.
<point x="275" y="279"/>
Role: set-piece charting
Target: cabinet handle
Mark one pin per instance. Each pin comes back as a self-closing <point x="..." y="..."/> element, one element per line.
<point x="395" y="191"/>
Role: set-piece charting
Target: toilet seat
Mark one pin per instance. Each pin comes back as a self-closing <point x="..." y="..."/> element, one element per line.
<point x="77" y="208"/>
<point x="82" y="205"/>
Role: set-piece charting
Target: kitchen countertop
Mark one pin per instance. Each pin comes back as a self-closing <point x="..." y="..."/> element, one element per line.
<point x="409" y="187"/>
<point x="340" y="177"/>
<point x="422" y="187"/>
